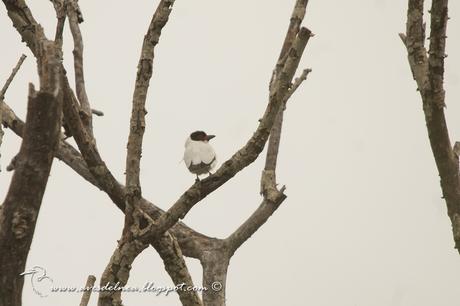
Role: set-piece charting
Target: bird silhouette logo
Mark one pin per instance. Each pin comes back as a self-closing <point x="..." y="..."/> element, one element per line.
<point x="41" y="283"/>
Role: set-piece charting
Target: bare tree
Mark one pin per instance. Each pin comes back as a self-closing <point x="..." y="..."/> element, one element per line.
<point x="427" y="68"/>
<point x="145" y="224"/>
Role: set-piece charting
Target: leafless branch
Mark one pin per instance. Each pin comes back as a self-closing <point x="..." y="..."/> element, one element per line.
<point x="272" y="196"/>
<point x="170" y="252"/>
<point x="297" y="82"/>
<point x="268" y="206"/>
<point x="23" y="21"/>
<point x="191" y="242"/>
<point x="162" y="228"/>
<point x="88" y="290"/>
<point x="243" y="157"/>
<point x="144" y="74"/>
<point x="11" y="77"/>
<point x="215" y="262"/>
<point x="130" y="247"/>
<point x="23" y="200"/>
<point x="97" y="112"/>
<point x="2" y="95"/>
<point x="428" y="72"/>
<point x="59" y="7"/>
<point x="31" y="32"/>
<point x="119" y="266"/>
<point x="74" y="16"/>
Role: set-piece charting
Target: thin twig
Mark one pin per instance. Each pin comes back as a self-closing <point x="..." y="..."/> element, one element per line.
<point x="297" y="82"/>
<point x="2" y="95"/>
<point x="97" y="112"/>
<point x="11" y="77"/>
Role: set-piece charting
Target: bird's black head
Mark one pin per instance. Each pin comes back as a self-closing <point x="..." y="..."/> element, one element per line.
<point x="201" y="136"/>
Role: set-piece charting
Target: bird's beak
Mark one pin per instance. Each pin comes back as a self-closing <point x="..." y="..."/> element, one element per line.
<point x="209" y="137"/>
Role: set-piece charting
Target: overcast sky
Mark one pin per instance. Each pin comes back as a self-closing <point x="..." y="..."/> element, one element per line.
<point x="364" y="223"/>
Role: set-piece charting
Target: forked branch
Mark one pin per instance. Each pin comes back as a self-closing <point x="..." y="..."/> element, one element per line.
<point x="428" y="71"/>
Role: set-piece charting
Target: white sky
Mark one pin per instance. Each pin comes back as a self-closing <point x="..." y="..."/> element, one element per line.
<point x="364" y="222"/>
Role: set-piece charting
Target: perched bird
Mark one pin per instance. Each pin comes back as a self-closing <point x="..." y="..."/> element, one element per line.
<point x="199" y="156"/>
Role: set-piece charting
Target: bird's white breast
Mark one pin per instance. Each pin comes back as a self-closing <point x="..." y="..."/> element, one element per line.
<point x="197" y="152"/>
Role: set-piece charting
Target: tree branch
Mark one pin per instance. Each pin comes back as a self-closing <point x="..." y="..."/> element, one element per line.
<point x="171" y="254"/>
<point x="243" y="157"/>
<point x="2" y="95"/>
<point x="119" y="266"/>
<point x="74" y="16"/>
<point x="215" y="261"/>
<point x="59" y="7"/>
<point x="31" y="32"/>
<point x="23" y="22"/>
<point x="428" y="71"/>
<point x="437" y="51"/>
<point x="88" y="290"/>
<point x="144" y="74"/>
<point x="23" y="200"/>
<point x="190" y="241"/>
<point x="297" y="82"/>
<point x="272" y="196"/>
<point x="11" y="77"/>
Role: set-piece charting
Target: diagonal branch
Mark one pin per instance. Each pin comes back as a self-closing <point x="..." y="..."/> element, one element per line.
<point x="243" y="157"/>
<point x="215" y="261"/>
<point x="31" y="31"/>
<point x="98" y="169"/>
<point x="11" y="77"/>
<point x="272" y="196"/>
<point x="2" y="95"/>
<point x="190" y="241"/>
<point x="129" y="247"/>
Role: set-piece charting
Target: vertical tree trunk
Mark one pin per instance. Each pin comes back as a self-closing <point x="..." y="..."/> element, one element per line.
<point x="22" y="204"/>
<point x="215" y="264"/>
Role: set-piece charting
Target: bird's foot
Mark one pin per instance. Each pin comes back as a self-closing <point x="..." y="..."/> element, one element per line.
<point x="197" y="180"/>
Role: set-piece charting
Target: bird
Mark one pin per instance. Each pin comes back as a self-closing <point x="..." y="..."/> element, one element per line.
<point x="199" y="155"/>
